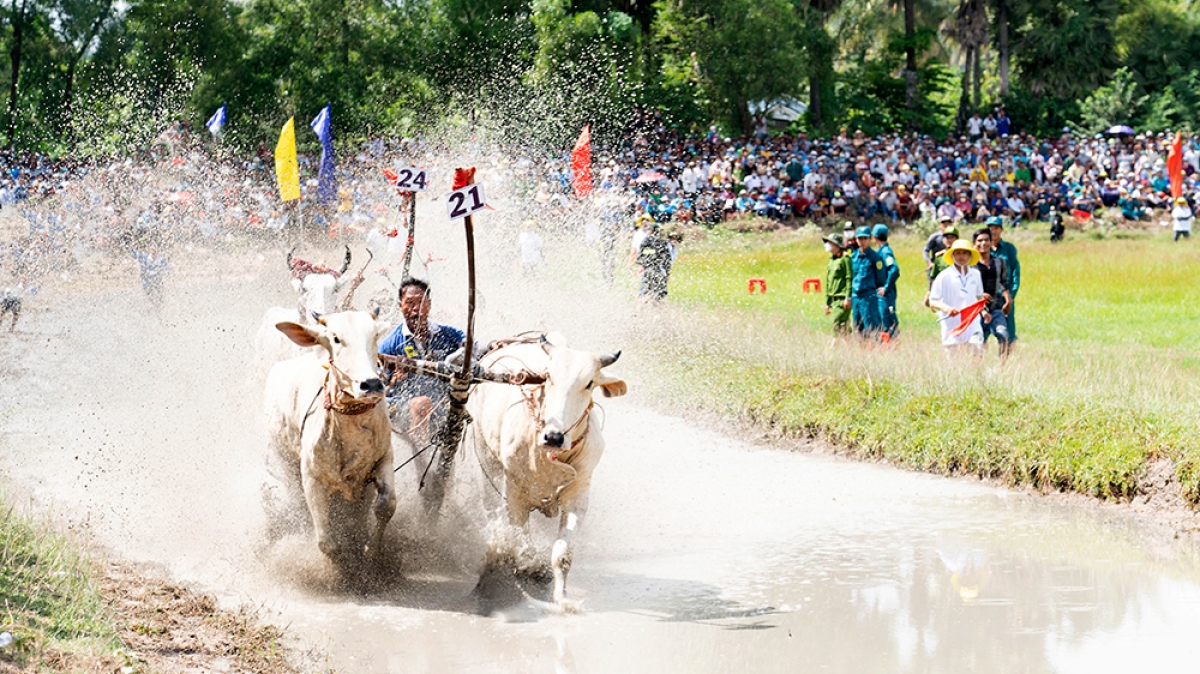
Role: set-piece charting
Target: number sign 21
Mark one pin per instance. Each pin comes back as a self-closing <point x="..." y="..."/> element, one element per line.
<point x="411" y="179"/>
<point x="465" y="201"/>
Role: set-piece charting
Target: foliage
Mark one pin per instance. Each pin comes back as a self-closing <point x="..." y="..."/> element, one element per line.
<point x="1115" y="103"/>
<point x="115" y="75"/>
<point x="47" y="590"/>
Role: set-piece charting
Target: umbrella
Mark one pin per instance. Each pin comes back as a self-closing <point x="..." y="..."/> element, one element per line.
<point x="649" y="177"/>
<point x="1120" y="131"/>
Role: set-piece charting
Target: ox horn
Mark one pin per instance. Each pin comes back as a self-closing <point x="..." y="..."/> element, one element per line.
<point x="319" y="318"/>
<point x="609" y="358"/>
<point x="289" y="258"/>
<point x="346" y="262"/>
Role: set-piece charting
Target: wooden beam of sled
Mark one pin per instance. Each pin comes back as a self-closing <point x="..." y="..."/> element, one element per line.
<point x="444" y="370"/>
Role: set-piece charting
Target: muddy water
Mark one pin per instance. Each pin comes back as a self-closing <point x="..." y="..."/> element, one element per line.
<point x="700" y="553"/>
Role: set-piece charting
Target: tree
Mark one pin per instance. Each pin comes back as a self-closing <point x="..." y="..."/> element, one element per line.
<point x="971" y="30"/>
<point x="1065" y="48"/>
<point x="734" y="51"/>
<point x="78" y="25"/>
<point x="18" y="20"/>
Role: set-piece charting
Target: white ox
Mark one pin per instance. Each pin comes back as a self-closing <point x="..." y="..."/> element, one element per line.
<point x="543" y="440"/>
<point x="330" y="437"/>
<point x="316" y="292"/>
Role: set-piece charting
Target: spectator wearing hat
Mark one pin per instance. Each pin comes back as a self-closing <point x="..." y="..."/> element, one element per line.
<point x="869" y="281"/>
<point x="889" y="323"/>
<point x="1182" y="216"/>
<point x="1006" y="250"/>
<point x="956" y="287"/>
<point x="838" y="275"/>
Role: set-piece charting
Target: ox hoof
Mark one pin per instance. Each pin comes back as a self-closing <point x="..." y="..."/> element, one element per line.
<point x="329" y="548"/>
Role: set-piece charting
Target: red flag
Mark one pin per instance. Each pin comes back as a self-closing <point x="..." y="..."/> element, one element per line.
<point x="581" y="163"/>
<point x="391" y="176"/>
<point x="463" y="177"/>
<point x="1175" y="166"/>
<point x="966" y="316"/>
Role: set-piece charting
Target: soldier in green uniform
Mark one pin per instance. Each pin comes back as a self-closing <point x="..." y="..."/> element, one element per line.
<point x="887" y="302"/>
<point x="1007" y="251"/>
<point x="837" y="284"/>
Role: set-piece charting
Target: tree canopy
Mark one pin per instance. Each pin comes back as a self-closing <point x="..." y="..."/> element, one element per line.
<point x="103" y="76"/>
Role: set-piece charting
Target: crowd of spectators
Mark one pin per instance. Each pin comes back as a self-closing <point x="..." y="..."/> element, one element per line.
<point x="990" y="171"/>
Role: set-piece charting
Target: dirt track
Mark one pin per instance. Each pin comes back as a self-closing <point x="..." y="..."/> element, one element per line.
<point x="701" y="552"/>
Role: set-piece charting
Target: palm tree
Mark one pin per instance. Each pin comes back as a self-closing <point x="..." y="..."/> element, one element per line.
<point x="971" y="28"/>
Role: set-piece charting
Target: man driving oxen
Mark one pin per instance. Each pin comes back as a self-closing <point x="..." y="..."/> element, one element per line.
<point x="417" y="400"/>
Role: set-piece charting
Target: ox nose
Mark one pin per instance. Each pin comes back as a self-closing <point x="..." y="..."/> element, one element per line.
<point x="553" y="439"/>
<point x="371" y="386"/>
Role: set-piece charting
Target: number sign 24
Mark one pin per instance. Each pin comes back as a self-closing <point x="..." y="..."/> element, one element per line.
<point x="465" y="201"/>
<point x="411" y="179"/>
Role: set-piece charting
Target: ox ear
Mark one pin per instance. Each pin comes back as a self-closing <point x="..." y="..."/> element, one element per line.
<point x="300" y="334"/>
<point x="610" y="386"/>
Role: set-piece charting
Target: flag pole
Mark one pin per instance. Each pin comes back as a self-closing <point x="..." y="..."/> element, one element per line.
<point x="412" y="232"/>
<point x="450" y="435"/>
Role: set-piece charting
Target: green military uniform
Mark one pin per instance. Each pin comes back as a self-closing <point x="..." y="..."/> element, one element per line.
<point x="837" y="286"/>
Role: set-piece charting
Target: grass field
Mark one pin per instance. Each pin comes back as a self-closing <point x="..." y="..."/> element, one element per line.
<point x="51" y="604"/>
<point x="1103" y="380"/>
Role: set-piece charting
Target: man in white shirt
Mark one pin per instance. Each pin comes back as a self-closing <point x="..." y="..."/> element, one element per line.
<point x="955" y="288"/>
<point x="753" y="182"/>
<point x="975" y="126"/>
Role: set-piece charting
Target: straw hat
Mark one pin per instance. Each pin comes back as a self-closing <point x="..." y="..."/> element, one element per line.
<point x="961" y="244"/>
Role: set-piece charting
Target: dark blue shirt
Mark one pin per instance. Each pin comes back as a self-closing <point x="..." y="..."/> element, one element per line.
<point x="869" y="275"/>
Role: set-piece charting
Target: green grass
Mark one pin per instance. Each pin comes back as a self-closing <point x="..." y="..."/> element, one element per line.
<point x="1102" y="382"/>
<point x="47" y="595"/>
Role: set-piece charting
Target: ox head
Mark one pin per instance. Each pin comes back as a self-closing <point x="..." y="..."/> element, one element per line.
<point x="571" y="378"/>
<point x="351" y="338"/>
<point x="317" y="290"/>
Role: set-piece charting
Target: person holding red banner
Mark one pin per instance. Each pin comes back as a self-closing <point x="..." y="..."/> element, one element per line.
<point x="957" y="295"/>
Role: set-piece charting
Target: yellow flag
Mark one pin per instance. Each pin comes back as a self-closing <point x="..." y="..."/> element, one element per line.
<point x="287" y="170"/>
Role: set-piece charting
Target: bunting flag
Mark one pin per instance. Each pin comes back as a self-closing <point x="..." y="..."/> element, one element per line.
<point x="217" y="121"/>
<point x="287" y="169"/>
<point x="327" y="188"/>
<point x="967" y="316"/>
<point x="581" y="163"/>
<point x="1175" y="166"/>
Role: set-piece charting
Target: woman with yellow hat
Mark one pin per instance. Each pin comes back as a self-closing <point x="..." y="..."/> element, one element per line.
<point x="958" y="286"/>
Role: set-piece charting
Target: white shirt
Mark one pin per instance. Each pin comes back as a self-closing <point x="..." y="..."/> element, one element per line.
<point x="531" y="247"/>
<point x="957" y="290"/>
<point x="975" y="126"/>
<point x="1182" y="215"/>
<point x="753" y="182"/>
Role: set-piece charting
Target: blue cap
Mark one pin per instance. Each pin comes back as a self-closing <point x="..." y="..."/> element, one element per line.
<point x="880" y="231"/>
<point x="995" y="220"/>
<point x="862" y="232"/>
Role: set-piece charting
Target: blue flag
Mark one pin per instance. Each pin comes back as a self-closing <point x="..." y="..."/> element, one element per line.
<point x="217" y="121"/>
<point x="326" y="180"/>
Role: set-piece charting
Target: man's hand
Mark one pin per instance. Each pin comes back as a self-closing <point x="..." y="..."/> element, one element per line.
<point x="951" y="311"/>
<point x="846" y="303"/>
<point x="826" y="309"/>
<point x="881" y="292"/>
<point x="987" y="318"/>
